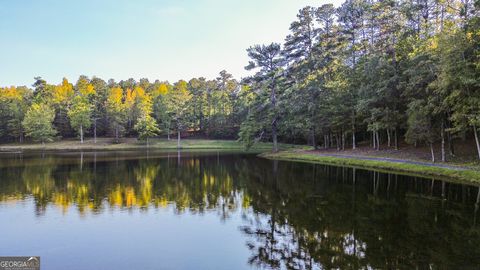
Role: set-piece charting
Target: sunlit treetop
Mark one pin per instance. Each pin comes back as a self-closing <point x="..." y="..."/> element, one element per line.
<point x="63" y="92"/>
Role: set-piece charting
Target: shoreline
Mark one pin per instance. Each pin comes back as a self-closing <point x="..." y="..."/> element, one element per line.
<point x="446" y="171"/>
<point x="438" y="171"/>
<point x="106" y="144"/>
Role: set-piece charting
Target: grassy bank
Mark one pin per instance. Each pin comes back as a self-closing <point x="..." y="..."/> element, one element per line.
<point x="107" y="144"/>
<point x="461" y="174"/>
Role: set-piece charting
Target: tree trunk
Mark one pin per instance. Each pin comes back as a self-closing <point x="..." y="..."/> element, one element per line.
<point x="396" y="139"/>
<point x="337" y="141"/>
<point x="147" y="142"/>
<point x="274" y="136"/>
<point x="354" y="142"/>
<point x="343" y="140"/>
<point x="431" y="151"/>
<point x="388" y="138"/>
<point x="451" y="149"/>
<point x="178" y="139"/>
<point x="378" y="140"/>
<point x="81" y="134"/>
<point x="325" y="141"/>
<point x="273" y="101"/>
<point x="116" y="134"/>
<point x="442" y="134"/>
<point x="95" y="130"/>
<point x="314" y="140"/>
<point x="168" y="132"/>
<point x="476" y="140"/>
<point x="374" y="145"/>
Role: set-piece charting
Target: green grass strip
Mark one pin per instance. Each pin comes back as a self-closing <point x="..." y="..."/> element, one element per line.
<point x="465" y="176"/>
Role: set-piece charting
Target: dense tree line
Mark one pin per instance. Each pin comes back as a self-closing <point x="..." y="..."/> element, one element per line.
<point x="210" y="108"/>
<point x="378" y="71"/>
<point x="375" y="71"/>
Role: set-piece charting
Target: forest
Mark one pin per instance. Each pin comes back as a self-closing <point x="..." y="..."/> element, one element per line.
<point x="367" y="71"/>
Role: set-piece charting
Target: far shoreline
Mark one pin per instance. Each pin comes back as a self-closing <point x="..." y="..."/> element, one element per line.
<point x="289" y="152"/>
<point x="108" y="144"/>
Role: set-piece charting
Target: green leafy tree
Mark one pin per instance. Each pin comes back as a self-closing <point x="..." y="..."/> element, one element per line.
<point x="178" y="107"/>
<point x="80" y="115"/>
<point x="421" y="125"/>
<point x="14" y="102"/>
<point x="458" y="79"/>
<point x="38" y="123"/>
<point x="147" y="127"/>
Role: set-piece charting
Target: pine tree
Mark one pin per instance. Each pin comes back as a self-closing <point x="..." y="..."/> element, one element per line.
<point x="266" y="59"/>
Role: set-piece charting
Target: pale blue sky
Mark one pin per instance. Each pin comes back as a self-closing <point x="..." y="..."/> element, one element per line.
<point x="121" y="39"/>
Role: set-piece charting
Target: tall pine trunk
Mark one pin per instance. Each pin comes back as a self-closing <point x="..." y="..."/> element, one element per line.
<point x="476" y="140"/>
<point x="431" y="151"/>
<point x="273" y="101"/>
<point x="389" y="143"/>
<point x="274" y="136"/>
<point x="448" y="124"/>
<point x="451" y="149"/>
<point x="354" y="142"/>
<point x="442" y="135"/>
<point x="396" y="139"/>
<point x="337" y="141"/>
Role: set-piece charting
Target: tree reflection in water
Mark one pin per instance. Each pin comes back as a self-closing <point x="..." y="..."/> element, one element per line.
<point x="295" y="215"/>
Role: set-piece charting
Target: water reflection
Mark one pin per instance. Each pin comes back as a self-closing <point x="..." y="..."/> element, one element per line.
<point x="93" y="183"/>
<point x="294" y="215"/>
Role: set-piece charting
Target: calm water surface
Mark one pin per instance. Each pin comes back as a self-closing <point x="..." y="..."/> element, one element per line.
<point x="131" y="210"/>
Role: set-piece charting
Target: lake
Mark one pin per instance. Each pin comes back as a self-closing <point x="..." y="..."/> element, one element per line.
<point x="185" y="210"/>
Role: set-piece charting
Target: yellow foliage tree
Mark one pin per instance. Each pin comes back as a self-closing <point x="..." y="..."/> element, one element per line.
<point x="116" y="110"/>
<point x="63" y="92"/>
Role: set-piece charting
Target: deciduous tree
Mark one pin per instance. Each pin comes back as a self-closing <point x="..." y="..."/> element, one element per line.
<point x="38" y="123"/>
